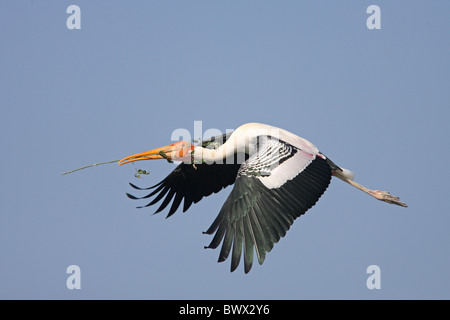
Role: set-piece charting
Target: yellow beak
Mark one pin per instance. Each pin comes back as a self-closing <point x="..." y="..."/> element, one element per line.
<point x="176" y="151"/>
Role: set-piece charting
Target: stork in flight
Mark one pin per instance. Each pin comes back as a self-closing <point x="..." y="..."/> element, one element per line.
<point x="277" y="177"/>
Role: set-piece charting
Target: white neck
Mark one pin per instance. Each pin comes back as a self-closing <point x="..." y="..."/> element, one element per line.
<point x="209" y="156"/>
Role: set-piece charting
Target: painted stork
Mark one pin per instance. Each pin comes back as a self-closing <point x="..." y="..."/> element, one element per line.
<point x="277" y="177"/>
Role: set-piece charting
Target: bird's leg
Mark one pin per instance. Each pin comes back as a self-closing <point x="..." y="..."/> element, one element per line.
<point x="380" y="195"/>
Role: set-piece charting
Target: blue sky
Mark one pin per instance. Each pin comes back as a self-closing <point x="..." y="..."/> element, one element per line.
<point x="374" y="101"/>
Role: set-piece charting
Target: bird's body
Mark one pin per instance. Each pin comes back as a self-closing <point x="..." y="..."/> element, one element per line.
<point x="277" y="177"/>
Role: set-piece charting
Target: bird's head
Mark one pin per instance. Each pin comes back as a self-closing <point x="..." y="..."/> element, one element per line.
<point x="179" y="151"/>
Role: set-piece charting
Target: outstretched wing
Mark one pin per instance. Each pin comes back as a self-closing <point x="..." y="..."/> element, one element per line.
<point x="273" y="187"/>
<point x="191" y="183"/>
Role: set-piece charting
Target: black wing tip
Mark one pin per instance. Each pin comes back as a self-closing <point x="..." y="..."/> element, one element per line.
<point x="248" y="267"/>
<point x="131" y="196"/>
<point x="134" y="186"/>
<point x="139" y="188"/>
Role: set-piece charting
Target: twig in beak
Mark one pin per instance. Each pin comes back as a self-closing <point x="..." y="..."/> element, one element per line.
<point x="92" y="165"/>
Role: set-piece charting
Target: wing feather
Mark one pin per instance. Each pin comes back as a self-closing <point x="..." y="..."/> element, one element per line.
<point x="258" y="216"/>
<point x="190" y="183"/>
<point x="271" y="189"/>
<point x="237" y="244"/>
<point x="248" y="245"/>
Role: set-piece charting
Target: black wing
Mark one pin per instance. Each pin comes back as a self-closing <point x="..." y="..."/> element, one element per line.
<point x="190" y="182"/>
<point x="254" y="217"/>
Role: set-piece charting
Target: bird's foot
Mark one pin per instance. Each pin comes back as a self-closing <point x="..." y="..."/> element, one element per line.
<point x="387" y="197"/>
